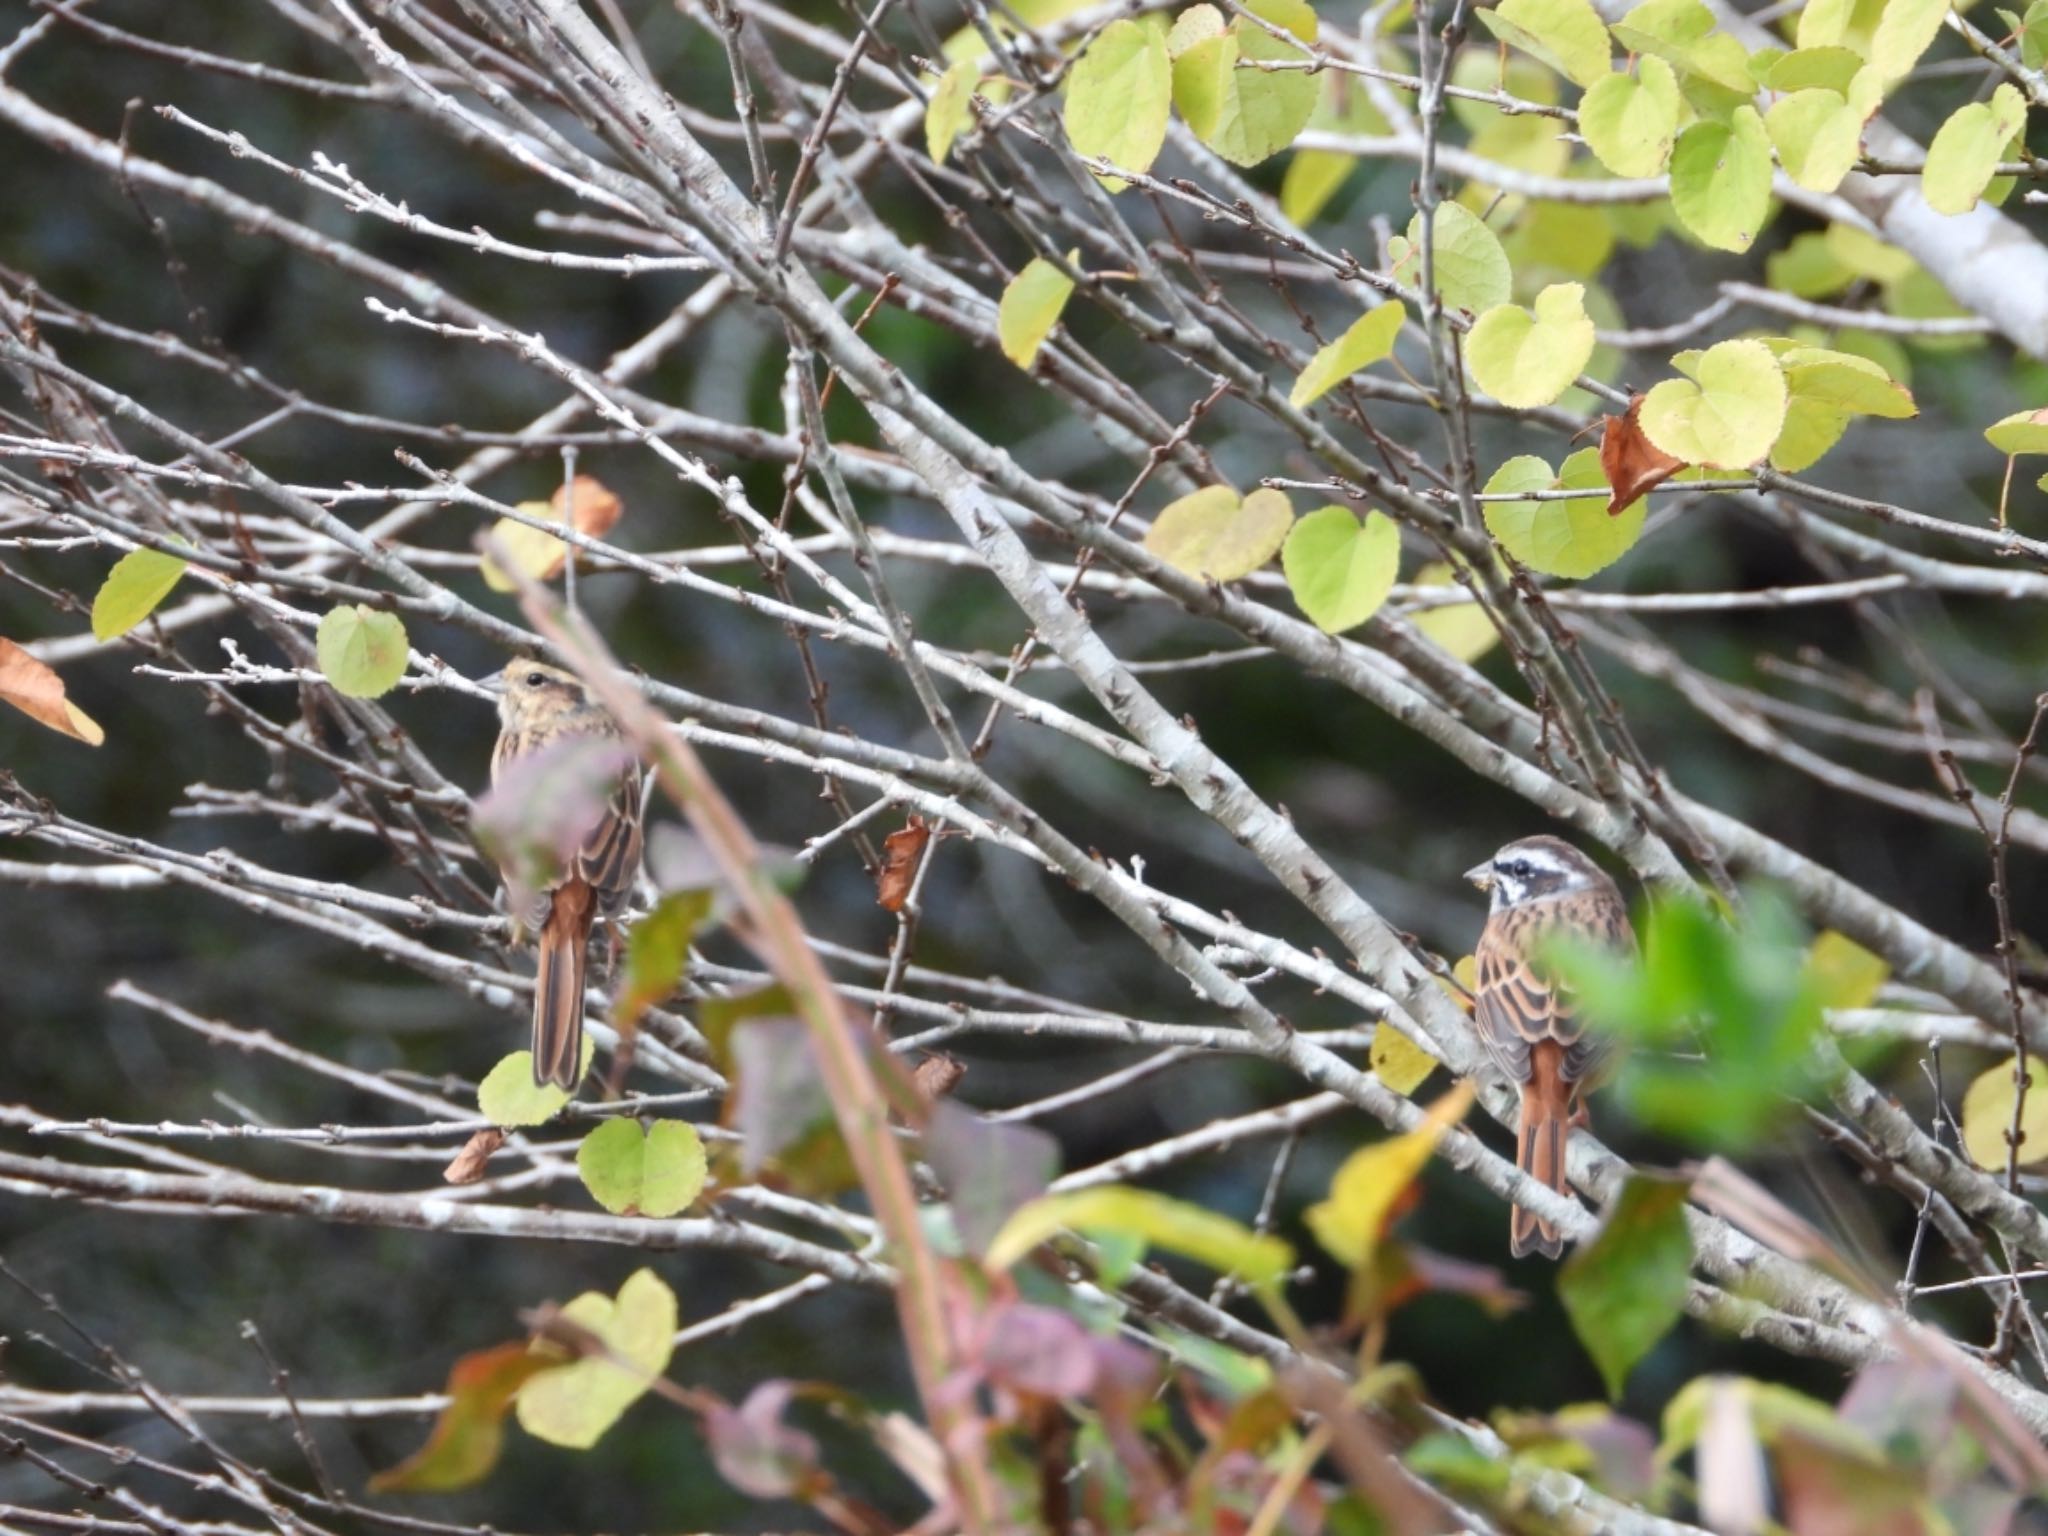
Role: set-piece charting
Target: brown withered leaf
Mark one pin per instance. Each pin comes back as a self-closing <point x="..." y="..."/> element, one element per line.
<point x="468" y="1165"/>
<point x="1630" y="461"/>
<point x="900" y="852"/>
<point x="594" y="508"/>
<point x="37" y="692"/>
<point x="936" y="1076"/>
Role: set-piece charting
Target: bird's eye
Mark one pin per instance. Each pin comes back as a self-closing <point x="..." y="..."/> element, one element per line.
<point x="534" y="679"/>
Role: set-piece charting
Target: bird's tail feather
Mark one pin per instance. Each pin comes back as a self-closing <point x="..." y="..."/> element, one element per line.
<point x="1539" y="1152"/>
<point x="558" y="1000"/>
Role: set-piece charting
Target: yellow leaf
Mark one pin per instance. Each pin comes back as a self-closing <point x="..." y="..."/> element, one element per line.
<point x="1987" y="1117"/>
<point x="1363" y="1194"/>
<point x="1260" y="1260"/>
<point x="533" y="551"/>
<point x="1847" y="974"/>
<point x="1398" y="1061"/>
<point x="1031" y="306"/>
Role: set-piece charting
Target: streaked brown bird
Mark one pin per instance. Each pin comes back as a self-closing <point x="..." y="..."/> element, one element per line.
<point x="541" y="706"/>
<point x="1543" y="889"/>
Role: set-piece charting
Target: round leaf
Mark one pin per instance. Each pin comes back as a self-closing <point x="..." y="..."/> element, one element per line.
<point x="361" y="651"/>
<point x="653" y="1174"/>
<point x="534" y="552"/>
<point x="1472" y="270"/>
<point x="2021" y="432"/>
<point x="1462" y="629"/>
<point x="1526" y="360"/>
<point x="1118" y="96"/>
<point x="1572" y="539"/>
<point x="1630" y="120"/>
<point x="1340" y="569"/>
<point x="1721" y="180"/>
<point x="140" y="580"/>
<point x="1369" y="339"/>
<point x="1247" y="114"/>
<point x="1729" y="418"/>
<point x="1211" y="533"/>
<point x="1966" y="150"/>
<point x="576" y="1403"/>
<point x="1987" y="1117"/>
<point x="1030" y="308"/>
<point x="1818" y="135"/>
<point x="509" y="1097"/>
<point x="1568" y="35"/>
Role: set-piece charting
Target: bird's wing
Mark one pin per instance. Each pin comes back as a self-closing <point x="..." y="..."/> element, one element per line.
<point x="1521" y="1003"/>
<point x="610" y="856"/>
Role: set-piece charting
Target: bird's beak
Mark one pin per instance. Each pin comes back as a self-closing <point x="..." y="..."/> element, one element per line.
<point x="1481" y="875"/>
<point x="493" y="684"/>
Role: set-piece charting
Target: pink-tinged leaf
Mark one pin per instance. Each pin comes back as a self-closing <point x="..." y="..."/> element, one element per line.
<point x="777" y="1094"/>
<point x="545" y="806"/>
<point x="1037" y="1351"/>
<point x="1827" y="1492"/>
<point x="755" y="1451"/>
<point x="989" y="1169"/>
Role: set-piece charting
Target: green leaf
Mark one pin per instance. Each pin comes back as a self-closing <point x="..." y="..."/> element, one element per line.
<point x="1471" y="269"/>
<point x="361" y="651"/>
<point x="140" y="580"/>
<point x="1339" y="569"/>
<point x="1247" y="114"/>
<point x="950" y="111"/>
<point x="1830" y="69"/>
<point x="1031" y="307"/>
<point x="1904" y="31"/>
<point x="2033" y="30"/>
<point x="1572" y="539"/>
<point x="1526" y="360"/>
<point x="1721" y="180"/>
<point x="1966" y="150"/>
<point x="1625" y="1288"/>
<point x="1666" y="28"/>
<point x="1988" y="1116"/>
<point x="1630" y="121"/>
<point x="1568" y="35"/>
<point x="1259" y="1259"/>
<point x="2021" y="432"/>
<point x="1818" y="135"/>
<point x="1196" y="24"/>
<point x="1118" y="96"/>
<point x="470" y="1432"/>
<point x="1369" y="339"/>
<point x="1867" y="256"/>
<point x="657" y="950"/>
<point x="1728" y="415"/>
<point x="1370" y="1182"/>
<point x="576" y="1403"/>
<point x="1843" y="972"/>
<point x="629" y="1173"/>
<point x="509" y="1097"/>
<point x="1850" y="24"/>
<point x="1855" y="384"/>
<point x="1210" y="533"/>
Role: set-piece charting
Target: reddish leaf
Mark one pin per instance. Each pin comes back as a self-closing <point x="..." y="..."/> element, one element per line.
<point x="38" y="693"/>
<point x="1037" y="1351"/>
<point x="936" y="1076"/>
<point x="755" y="1451"/>
<point x="989" y="1169"/>
<point x="468" y="1165"/>
<point x="1405" y="1271"/>
<point x="595" y="509"/>
<point x="465" y="1441"/>
<point x="1829" y="1493"/>
<point x="901" y="851"/>
<point x="1631" y="462"/>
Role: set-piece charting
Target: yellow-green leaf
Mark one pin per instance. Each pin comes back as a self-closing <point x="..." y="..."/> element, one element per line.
<point x="1211" y="533"/>
<point x="1966" y="149"/>
<point x="1572" y="539"/>
<point x="508" y="1096"/>
<point x="1844" y="973"/>
<point x="1119" y="1211"/>
<point x="1568" y="35"/>
<point x="2021" y="432"/>
<point x="629" y="1173"/>
<point x="1339" y="569"/>
<point x="951" y="108"/>
<point x="1461" y="629"/>
<point x="1721" y="180"/>
<point x="577" y="1402"/>
<point x="1727" y="415"/>
<point x="1471" y="269"/>
<point x="1988" y="1116"/>
<point x="1903" y="33"/>
<point x="1118" y="96"/>
<point x="1030" y="308"/>
<point x="1625" y="1288"/>
<point x="1526" y="360"/>
<point x="1371" y="1181"/>
<point x="1244" y="113"/>
<point x="140" y="580"/>
<point x="1630" y="121"/>
<point x="534" y="552"/>
<point x="362" y="652"/>
<point x="1818" y="136"/>
<point x="1369" y="339"/>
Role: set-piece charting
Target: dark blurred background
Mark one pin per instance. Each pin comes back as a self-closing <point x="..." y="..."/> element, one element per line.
<point x="374" y="1313"/>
